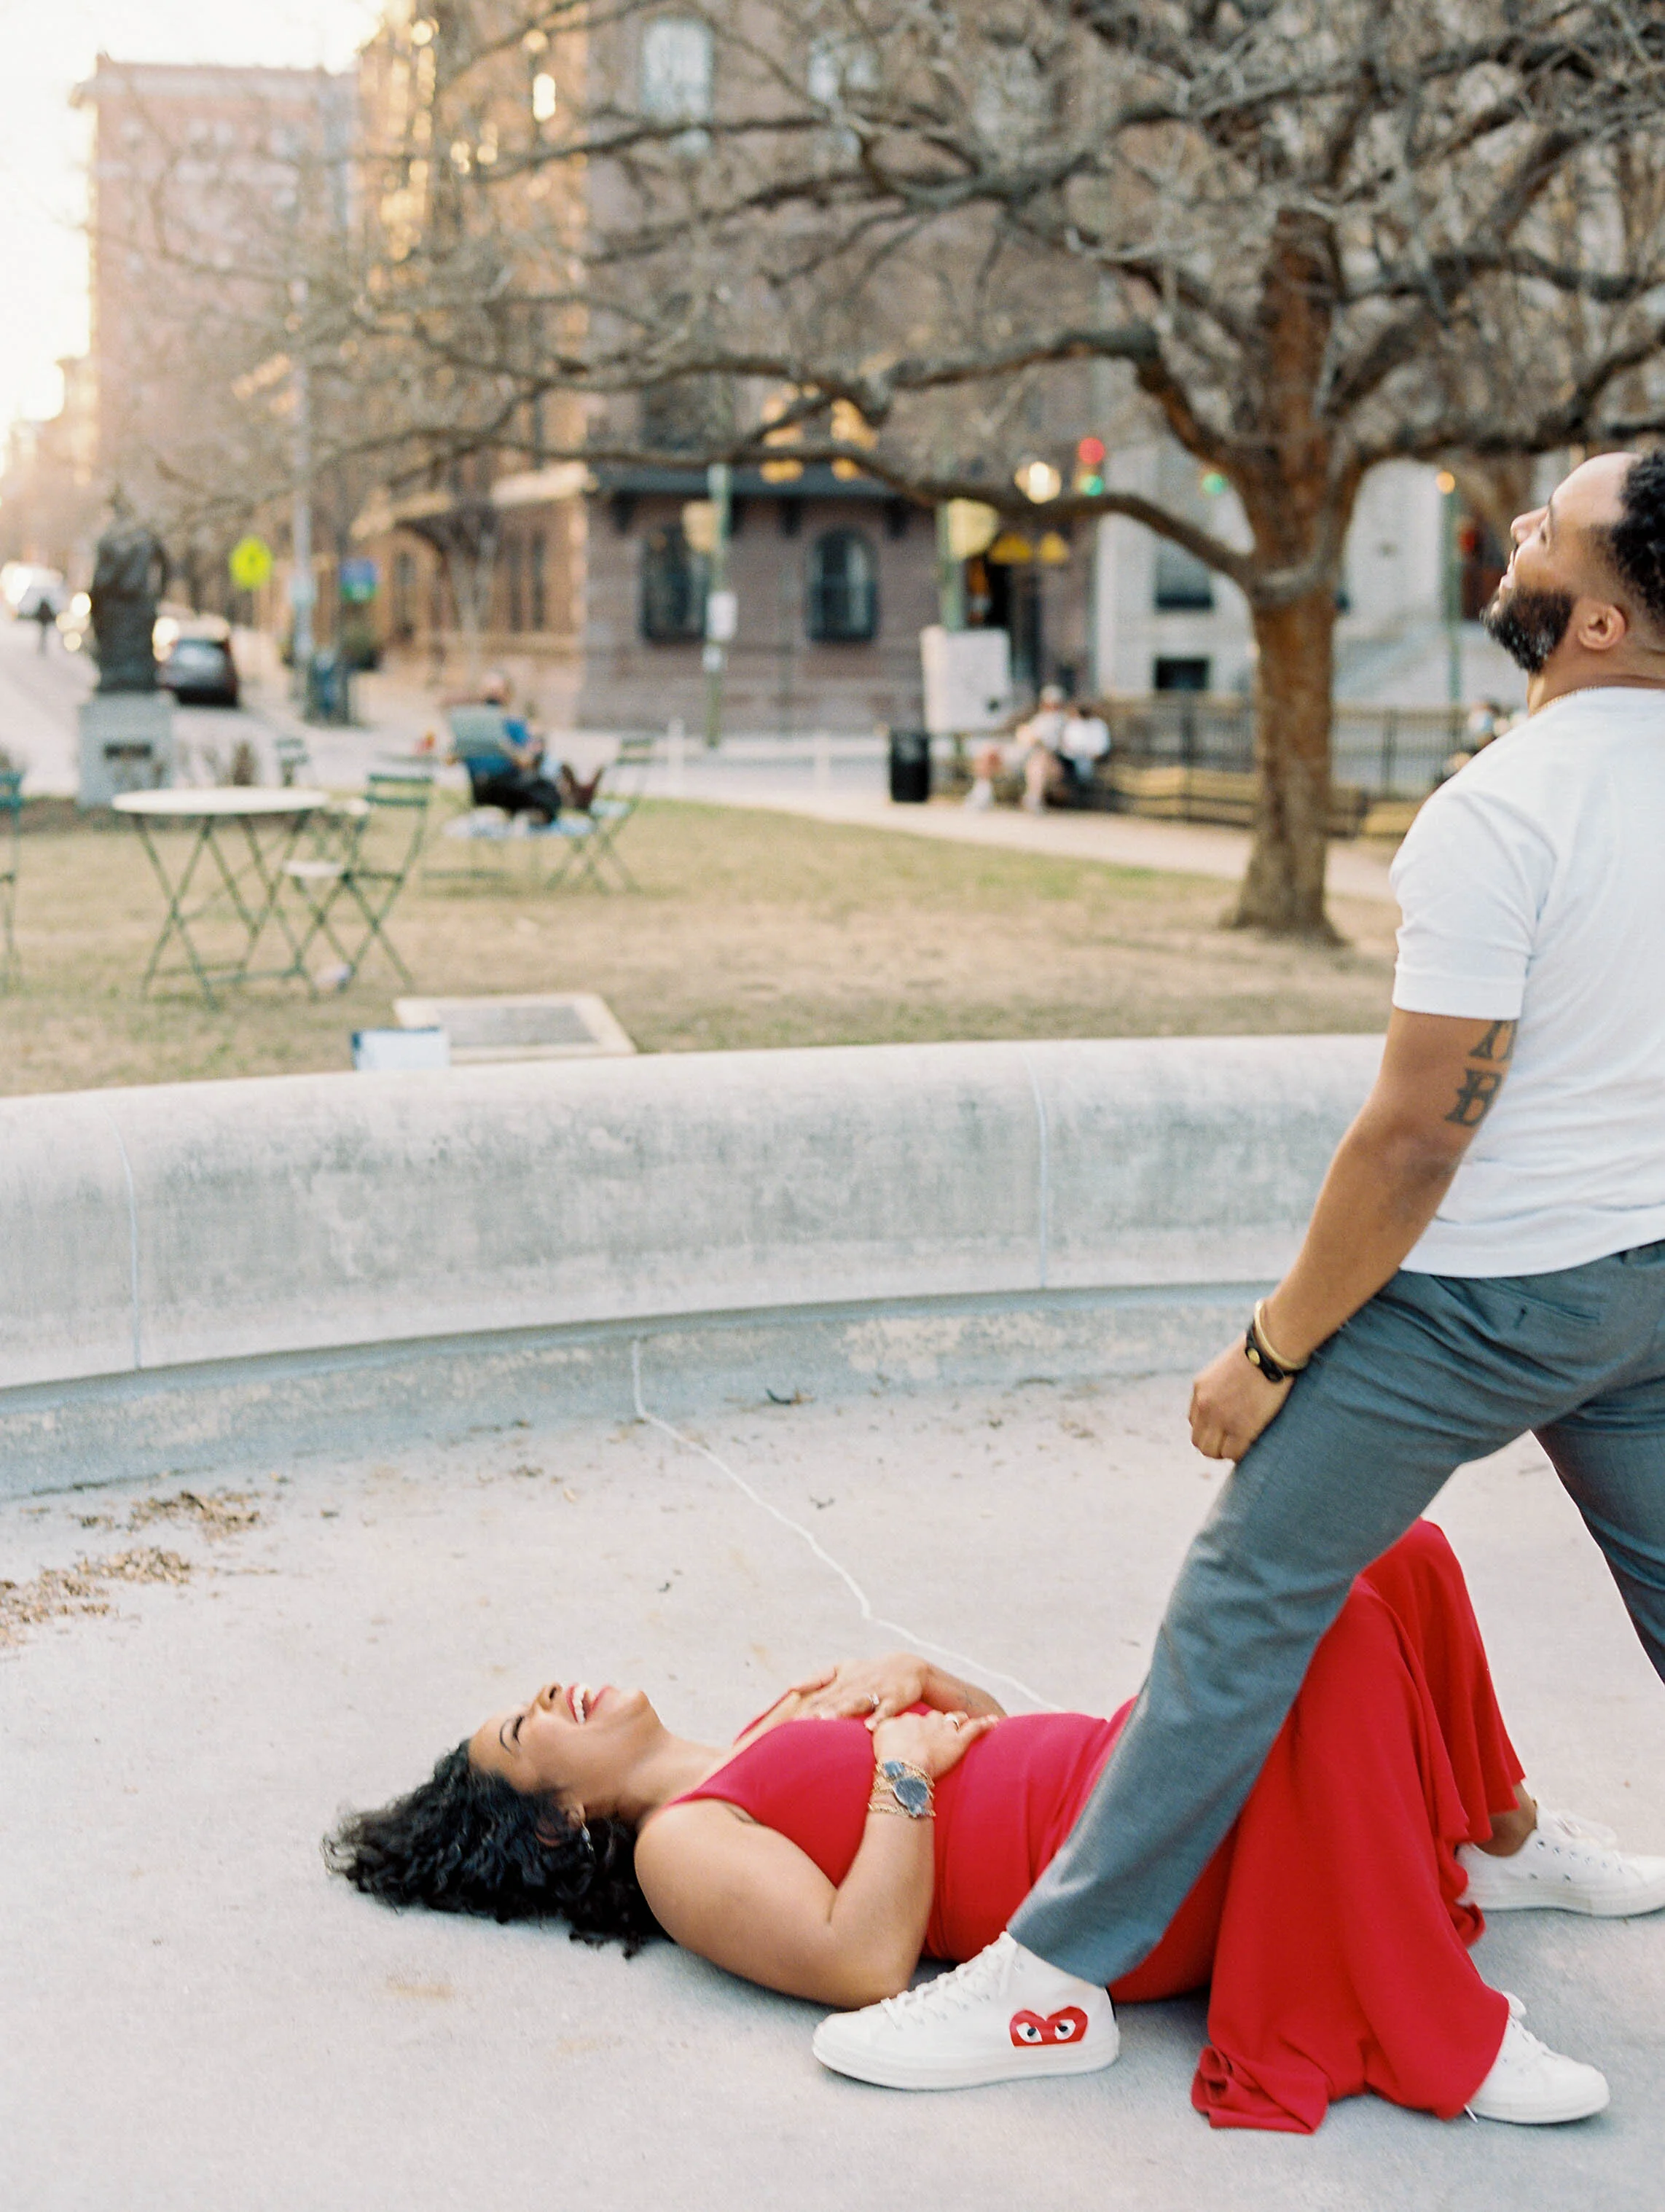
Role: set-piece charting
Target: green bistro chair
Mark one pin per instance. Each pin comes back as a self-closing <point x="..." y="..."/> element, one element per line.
<point x="295" y="760"/>
<point x="593" y="837"/>
<point x="349" y="894"/>
<point x="11" y="817"/>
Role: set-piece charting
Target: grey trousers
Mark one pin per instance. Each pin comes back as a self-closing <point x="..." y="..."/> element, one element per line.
<point x="1434" y="1370"/>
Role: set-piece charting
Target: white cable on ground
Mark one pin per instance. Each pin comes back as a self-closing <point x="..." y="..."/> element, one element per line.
<point x="909" y="1636"/>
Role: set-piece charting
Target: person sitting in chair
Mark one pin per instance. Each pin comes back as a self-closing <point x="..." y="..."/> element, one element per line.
<point x="506" y="768"/>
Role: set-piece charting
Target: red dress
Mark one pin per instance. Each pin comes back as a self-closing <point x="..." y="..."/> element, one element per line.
<point x="1327" y="1924"/>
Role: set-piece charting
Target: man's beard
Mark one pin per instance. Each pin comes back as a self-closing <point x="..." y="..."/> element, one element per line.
<point x="1528" y="624"/>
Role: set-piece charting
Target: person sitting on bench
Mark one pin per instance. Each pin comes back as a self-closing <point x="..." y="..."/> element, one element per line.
<point x="506" y="768"/>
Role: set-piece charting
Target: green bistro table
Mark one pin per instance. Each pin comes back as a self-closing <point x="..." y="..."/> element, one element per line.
<point x="242" y="836"/>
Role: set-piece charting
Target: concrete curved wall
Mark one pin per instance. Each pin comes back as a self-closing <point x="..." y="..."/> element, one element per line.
<point x="154" y="1228"/>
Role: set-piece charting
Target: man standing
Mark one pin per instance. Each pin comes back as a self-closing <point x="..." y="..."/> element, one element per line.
<point x="1487" y="1257"/>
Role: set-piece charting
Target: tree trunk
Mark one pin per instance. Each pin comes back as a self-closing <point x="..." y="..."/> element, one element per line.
<point x="1284" y="888"/>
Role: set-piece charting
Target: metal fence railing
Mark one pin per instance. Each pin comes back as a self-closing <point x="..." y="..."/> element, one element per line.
<point x="1382" y="752"/>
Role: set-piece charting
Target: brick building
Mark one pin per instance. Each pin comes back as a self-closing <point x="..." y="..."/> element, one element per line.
<point x="587" y="587"/>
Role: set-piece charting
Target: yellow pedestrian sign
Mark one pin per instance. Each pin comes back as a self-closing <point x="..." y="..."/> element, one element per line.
<point x="250" y="563"/>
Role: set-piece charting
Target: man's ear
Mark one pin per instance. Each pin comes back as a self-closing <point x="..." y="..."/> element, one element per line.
<point x="1600" y="626"/>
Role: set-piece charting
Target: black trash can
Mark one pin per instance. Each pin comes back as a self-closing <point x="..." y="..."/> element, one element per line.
<point x="910" y="767"/>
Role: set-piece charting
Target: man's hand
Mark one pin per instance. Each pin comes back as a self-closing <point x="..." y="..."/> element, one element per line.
<point x="1231" y="1401"/>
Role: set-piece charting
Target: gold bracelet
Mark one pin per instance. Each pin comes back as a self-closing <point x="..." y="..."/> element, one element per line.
<point x="888" y="1793"/>
<point x="1289" y="1366"/>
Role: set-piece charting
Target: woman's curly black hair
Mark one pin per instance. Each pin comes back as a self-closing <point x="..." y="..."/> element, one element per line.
<point x="468" y="1842"/>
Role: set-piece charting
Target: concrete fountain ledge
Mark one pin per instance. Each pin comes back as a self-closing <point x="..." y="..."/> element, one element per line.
<point x="203" y="1270"/>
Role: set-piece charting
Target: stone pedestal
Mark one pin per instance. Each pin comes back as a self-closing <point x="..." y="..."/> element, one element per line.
<point x="126" y="744"/>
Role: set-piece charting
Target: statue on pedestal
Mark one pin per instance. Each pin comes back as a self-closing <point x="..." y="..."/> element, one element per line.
<point x="128" y="576"/>
<point x="127" y="724"/>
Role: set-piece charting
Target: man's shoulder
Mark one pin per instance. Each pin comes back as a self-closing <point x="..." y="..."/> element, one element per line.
<point x="1499" y="805"/>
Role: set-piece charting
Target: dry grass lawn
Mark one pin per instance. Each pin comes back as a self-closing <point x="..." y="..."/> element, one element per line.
<point x="752" y="929"/>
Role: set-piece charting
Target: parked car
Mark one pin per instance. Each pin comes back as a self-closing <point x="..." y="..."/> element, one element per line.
<point x="199" y="670"/>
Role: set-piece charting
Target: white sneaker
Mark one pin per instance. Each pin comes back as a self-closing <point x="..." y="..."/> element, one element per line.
<point x="1003" y="2016"/>
<point x="1567" y="1865"/>
<point x="1533" y="2086"/>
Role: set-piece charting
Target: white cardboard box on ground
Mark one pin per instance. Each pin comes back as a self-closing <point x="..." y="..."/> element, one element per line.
<point x="546" y="1025"/>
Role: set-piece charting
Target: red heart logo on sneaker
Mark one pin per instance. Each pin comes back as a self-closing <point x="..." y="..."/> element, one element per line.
<point x="1068" y="2025"/>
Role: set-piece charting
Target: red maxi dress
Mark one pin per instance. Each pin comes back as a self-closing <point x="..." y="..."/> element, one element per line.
<point x="1325" y="1926"/>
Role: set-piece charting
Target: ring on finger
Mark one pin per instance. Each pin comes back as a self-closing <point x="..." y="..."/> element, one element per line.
<point x="873" y="1701"/>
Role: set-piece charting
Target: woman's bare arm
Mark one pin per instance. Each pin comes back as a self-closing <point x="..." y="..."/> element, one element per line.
<point x="751" y="1902"/>
<point x="901" y="1679"/>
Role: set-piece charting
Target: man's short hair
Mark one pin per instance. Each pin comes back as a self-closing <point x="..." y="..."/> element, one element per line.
<point x="1635" y="544"/>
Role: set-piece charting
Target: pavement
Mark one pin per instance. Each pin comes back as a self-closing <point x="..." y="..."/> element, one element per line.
<point x="830" y="778"/>
<point x="197" y="2018"/>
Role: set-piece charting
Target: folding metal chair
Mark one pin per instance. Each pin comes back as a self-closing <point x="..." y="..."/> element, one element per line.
<point x="379" y="848"/>
<point x="593" y="837"/>
<point x="11" y="816"/>
<point x="295" y="760"/>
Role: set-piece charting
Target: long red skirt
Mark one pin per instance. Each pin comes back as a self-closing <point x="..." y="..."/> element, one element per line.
<point x="1327" y="1922"/>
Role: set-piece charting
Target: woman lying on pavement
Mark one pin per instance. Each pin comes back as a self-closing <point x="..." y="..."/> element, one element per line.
<point x="824" y="1853"/>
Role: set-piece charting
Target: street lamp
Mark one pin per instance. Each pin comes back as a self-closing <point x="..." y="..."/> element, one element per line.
<point x="1038" y="480"/>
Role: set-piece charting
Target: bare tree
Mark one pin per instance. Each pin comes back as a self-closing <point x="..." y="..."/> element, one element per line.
<point x="1306" y="236"/>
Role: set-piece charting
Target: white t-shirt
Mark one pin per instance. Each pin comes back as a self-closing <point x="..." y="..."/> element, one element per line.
<point x="1085" y="737"/>
<point x="1042" y="728"/>
<point x="1533" y="888"/>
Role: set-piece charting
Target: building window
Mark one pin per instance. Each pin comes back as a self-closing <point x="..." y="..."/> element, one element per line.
<point x="843" y="589"/>
<point x="512" y="576"/>
<point x="1180" y="673"/>
<point x="676" y="71"/>
<point x="674" y="583"/>
<point x="1183" y="584"/>
<point x="840" y="70"/>
<point x="539" y="608"/>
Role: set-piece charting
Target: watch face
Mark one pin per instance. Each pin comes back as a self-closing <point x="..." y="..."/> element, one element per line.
<point x="912" y="1793"/>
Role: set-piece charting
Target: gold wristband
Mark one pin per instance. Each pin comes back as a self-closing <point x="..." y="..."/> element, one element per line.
<point x="888" y="1796"/>
<point x="1289" y="1366"/>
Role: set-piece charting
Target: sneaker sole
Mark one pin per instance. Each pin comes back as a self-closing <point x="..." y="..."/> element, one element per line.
<point x="886" y="2072"/>
<point x="1572" y="2108"/>
<point x="1633" y="1907"/>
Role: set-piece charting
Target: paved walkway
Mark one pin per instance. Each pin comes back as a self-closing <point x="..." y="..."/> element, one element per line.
<point x="198" y="2020"/>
